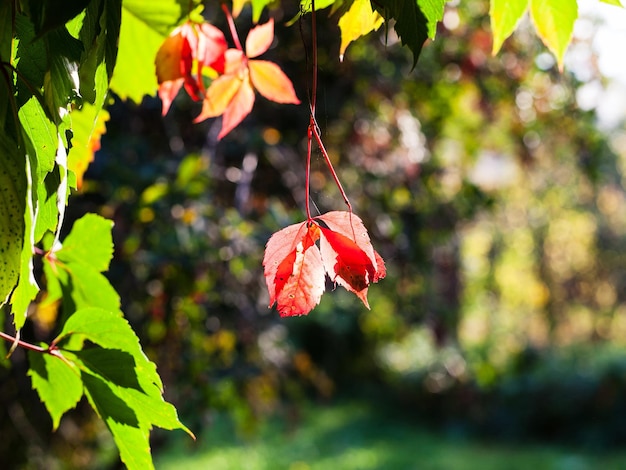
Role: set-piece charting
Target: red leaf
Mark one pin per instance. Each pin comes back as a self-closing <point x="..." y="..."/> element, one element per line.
<point x="260" y="39"/>
<point x="211" y="47"/>
<point x="168" y="91"/>
<point x="271" y="82"/>
<point x="347" y="253"/>
<point x="191" y="46"/>
<point x="293" y="268"/>
<point x="349" y="225"/>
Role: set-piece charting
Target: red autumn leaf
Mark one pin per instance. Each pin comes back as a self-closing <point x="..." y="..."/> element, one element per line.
<point x="246" y="74"/>
<point x="348" y="255"/>
<point x="189" y="46"/>
<point x="293" y="268"/>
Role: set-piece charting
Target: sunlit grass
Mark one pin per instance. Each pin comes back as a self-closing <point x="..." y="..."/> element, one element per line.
<point x="359" y="437"/>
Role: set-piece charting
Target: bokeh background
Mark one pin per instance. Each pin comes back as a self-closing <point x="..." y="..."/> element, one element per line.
<point x="493" y="187"/>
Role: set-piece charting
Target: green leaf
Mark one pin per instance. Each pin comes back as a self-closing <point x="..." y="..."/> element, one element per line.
<point x="13" y="190"/>
<point x="88" y="288"/>
<point x="99" y="34"/>
<point x="110" y="330"/>
<point x="88" y="125"/>
<point x="59" y="385"/>
<point x="6" y="36"/>
<point x="61" y="80"/>
<point x="505" y="16"/>
<point x="51" y="14"/>
<point x="42" y="133"/>
<point x="613" y="2"/>
<point x="415" y="20"/>
<point x="554" y="21"/>
<point x="32" y="58"/>
<point x="145" y="26"/>
<point x="89" y="243"/>
<point x="111" y="365"/>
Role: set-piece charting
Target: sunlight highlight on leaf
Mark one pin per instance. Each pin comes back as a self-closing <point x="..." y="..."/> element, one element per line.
<point x="554" y="20"/>
<point x="358" y="21"/>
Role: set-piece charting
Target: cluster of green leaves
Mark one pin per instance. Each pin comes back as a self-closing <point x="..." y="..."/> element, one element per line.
<point x="57" y="61"/>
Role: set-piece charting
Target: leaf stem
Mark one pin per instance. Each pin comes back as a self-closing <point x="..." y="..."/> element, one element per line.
<point x="314" y="130"/>
<point x="231" y="26"/>
<point x="329" y="163"/>
<point x="23" y="344"/>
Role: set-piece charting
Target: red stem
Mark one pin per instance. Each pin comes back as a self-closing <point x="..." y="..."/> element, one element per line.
<point x="314" y="128"/>
<point x="331" y="168"/>
<point x="231" y="26"/>
<point x="23" y="344"/>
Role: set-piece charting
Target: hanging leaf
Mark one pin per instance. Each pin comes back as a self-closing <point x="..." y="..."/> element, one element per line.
<point x="260" y="39"/>
<point x="232" y="94"/>
<point x="271" y="82"/>
<point x="415" y="20"/>
<point x="358" y="21"/>
<point x="349" y="257"/>
<point x="554" y="21"/>
<point x="12" y="207"/>
<point x="57" y="383"/>
<point x="505" y="15"/>
<point x="294" y="271"/>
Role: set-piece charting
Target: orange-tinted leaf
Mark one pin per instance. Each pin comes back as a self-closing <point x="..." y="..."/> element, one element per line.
<point x="271" y="82"/>
<point x="260" y="39"/>
<point x="218" y="96"/>
<point x="234" y="59"/>
<point x="293" y="269"/>
<point x="168" y="57"/>
<point x="168" y="91"/>
<point x="239" y="107"/>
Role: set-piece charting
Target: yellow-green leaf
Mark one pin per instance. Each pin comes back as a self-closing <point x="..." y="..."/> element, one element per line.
<point x="358" y="21"/>
<point x="505" y="16"/>
<point x="554" y="20"/>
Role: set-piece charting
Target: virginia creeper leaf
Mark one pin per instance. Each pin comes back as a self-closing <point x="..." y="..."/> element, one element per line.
<point x="554" y="21"/>
<point x="293" y="268"/>
<point x="260" y="39"/>
<point x="232" y="94"/>
<point x="57" y="383"/>
<point x="346" y="263"/>
<point x="358" y="21"/>
<point x="269" y="80"/>
<point x="12" y="207"/>
<point x="145" y="25"/>
<point x="218" y="96"/>
<point x="505" y="16"/>
<point x="89" y="243"/>
<point x="349" y="257"/>
<point x="238" y="108"/>
<point x="88" y="126"/>
<point x="415" y="20"/>
<point x="109" y="329"/>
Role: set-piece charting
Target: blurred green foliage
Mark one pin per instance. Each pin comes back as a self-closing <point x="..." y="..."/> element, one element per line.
<point x="497" y="204"/>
